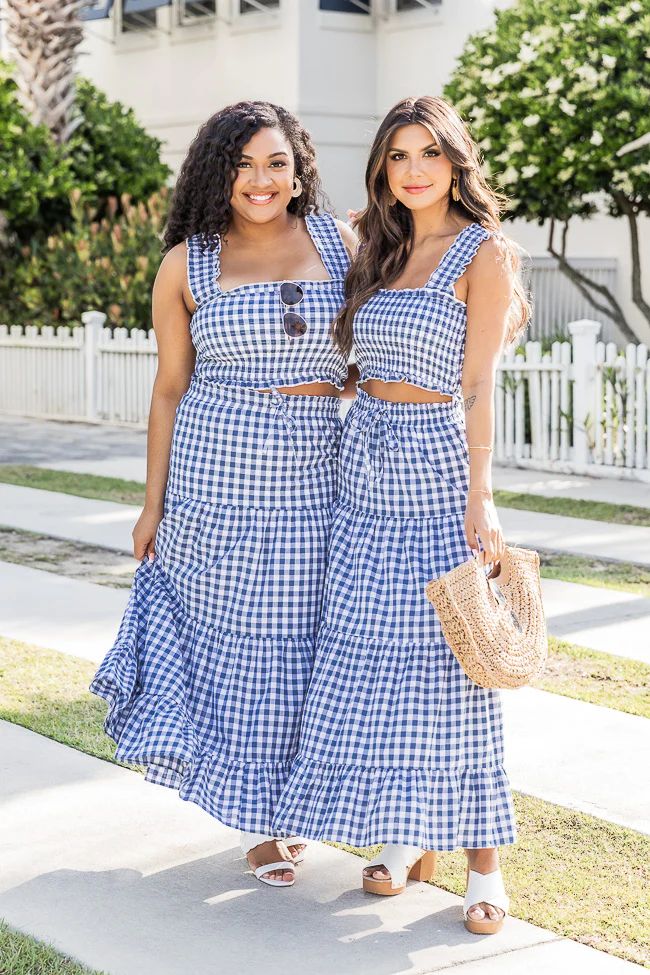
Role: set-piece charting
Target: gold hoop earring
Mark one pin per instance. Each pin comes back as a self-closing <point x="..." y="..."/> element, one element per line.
<point x="297" y="190"/>
<point x="455" y="194"/>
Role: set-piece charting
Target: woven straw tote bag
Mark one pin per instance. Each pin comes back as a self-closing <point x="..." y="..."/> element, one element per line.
<point x="496" y="630"/>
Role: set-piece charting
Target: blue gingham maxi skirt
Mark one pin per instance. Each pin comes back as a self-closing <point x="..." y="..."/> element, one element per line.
<point x="206" y="680"/>
<point x="397" y="744"/>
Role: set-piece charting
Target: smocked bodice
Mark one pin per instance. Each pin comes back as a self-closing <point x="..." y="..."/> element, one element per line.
<point x="417" y="335"/>
<point x="238" y="334"/>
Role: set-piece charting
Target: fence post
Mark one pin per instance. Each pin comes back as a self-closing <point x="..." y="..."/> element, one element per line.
<point x="93" y="322"/>
<point x="584" y="334"/>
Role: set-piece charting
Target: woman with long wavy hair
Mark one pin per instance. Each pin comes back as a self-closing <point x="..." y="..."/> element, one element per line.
<point x="398" y="746"/>
<point x="206" y="680"/>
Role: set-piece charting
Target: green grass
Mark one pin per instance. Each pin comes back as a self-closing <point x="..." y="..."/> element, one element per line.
<point x="68" y="482"/>
<point x="47" y="692"/>
<point x="617" y="514"/>
<point x="622" y="576"/>
<point x="22" y="955"/>
<point x="599" y="678"/>
<point x="569" y="872"/>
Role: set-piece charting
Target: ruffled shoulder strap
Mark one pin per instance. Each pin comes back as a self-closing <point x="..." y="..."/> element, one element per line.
<point x="203" y="268"/>
<point x="329" y="243"/>
<point x="458" y="256"/>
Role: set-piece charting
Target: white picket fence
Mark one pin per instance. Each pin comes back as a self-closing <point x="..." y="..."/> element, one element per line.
<point x="88" y="373"/>
<point x="582" y="407"/>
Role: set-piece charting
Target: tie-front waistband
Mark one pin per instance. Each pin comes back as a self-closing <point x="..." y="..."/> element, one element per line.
<point x="379" y="422"/>
<point x="294" y="403"/>
<point x="447" y="410"/>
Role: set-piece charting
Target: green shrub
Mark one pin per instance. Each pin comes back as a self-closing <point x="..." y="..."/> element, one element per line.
<point x="34" y="178"/>
<point x="108" y="265"/>
<point x="107" y="156"/>
<point x="110" y="153"/>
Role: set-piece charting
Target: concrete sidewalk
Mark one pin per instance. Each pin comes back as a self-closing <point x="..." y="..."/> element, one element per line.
<point x="576" y="536"/>
<point x="110" y="525"/>
<point x="127" y="878"/>
<point x="85" y="520"/>
<point x="58" y="613"/>
<point x="46" y="443"/>
<point x="601" y="619"/>
<point x="578" y="755"/>
<point x="579" y="487"/>
<point x="82" y="619"/>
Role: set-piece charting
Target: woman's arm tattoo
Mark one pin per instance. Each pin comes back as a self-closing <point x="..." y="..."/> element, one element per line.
<point x="469" y="403"/>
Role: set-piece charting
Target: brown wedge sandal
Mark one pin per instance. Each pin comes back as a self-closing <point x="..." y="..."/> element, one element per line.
<point x="485" y="888"/>
<point x="402" y="862"/>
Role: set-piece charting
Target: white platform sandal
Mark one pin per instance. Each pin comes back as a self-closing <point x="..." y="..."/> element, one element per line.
<point x="249" y="841"/>
<point x="485" y="888"/>
<point x="403" y="863"/>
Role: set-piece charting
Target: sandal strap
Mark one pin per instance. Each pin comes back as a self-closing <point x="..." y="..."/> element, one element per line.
<point x="270" y="867"/>
<point x="398" y="859"/>
<point x="248" y="841"/>
<point x="487" y="888"/>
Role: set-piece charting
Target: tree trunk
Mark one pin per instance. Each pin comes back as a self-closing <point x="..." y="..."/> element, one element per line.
<point x="608" y="304"/>
<point x="44" y="36"/>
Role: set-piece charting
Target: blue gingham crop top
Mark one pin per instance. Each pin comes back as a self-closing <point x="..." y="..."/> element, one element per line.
<point x="238" y="334"/>
<point x="417" y="335"/>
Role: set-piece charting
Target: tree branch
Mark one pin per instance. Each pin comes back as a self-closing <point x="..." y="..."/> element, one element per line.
<point x="585" y="286"/>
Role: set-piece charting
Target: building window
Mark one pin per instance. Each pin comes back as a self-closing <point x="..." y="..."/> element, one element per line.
<point x="140" y="14"/>
<point x="191" y="10"/>
<point x="95" y="9"/>
<point x="401" y="5"/>
<point x="250" y="6"/>
<point x="346" y="6"/>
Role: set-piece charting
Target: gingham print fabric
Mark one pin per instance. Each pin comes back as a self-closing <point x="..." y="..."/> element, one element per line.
<point x="238" y="333"/>
<point x="206" y="680"/>
<point x="397" y="744"/>
<point x="418" y="334"/>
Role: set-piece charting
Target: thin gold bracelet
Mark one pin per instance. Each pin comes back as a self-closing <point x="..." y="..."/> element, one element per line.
<point x="478" y="447"/>
<point x="480" y="491"/>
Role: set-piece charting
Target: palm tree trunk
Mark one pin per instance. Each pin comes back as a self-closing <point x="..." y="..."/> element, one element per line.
<point x="44" y="36"/>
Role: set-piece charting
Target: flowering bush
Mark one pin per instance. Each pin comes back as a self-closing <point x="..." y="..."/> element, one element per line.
<point x="551" y="92"/>
<point x="108" y="265"/>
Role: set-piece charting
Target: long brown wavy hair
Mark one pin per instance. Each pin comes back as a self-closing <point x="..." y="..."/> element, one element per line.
<point x="386" y="233"/>
<point x="201" y="199"/>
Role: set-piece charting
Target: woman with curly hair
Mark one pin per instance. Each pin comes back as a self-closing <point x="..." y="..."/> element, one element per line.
<point x="206" y="680"/>
<point x="398" y="745"/>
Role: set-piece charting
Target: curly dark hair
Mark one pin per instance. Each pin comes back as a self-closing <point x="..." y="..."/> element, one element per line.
<point x="201" y="200"/>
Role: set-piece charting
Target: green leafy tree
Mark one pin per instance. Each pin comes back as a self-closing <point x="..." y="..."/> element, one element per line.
<point x="553" y="91"/>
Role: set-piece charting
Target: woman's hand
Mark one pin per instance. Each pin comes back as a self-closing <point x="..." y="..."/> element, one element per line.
<point x="481" y="519"/>
<point x="144" y="533"/>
